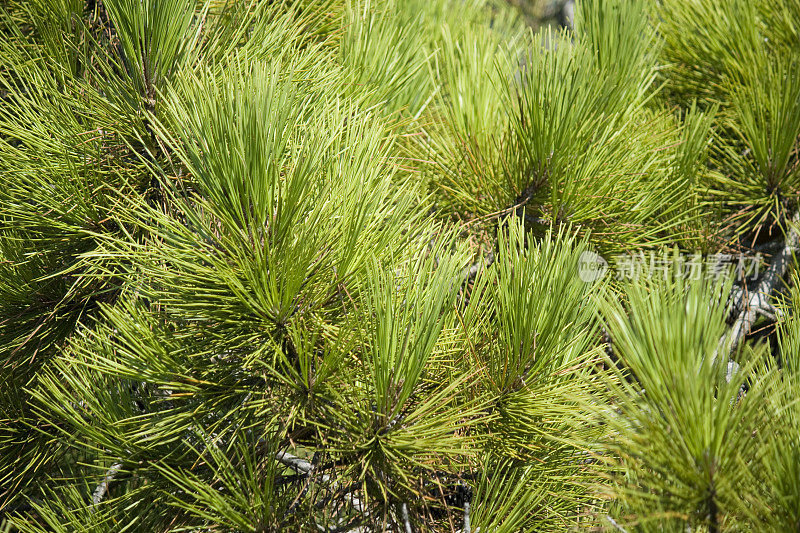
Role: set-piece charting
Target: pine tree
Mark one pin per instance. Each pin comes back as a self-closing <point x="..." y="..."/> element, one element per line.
<point x="321" y="265"/>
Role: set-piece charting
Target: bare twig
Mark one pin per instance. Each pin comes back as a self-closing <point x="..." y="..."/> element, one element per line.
<point x="466" y="528"/>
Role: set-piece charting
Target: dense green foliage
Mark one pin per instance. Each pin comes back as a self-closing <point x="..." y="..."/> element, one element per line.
<point x="320" y="265"/>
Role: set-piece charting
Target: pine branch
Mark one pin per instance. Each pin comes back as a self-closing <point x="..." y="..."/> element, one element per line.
<point x="472" y="271"/>
<point x="615" y="525"/>
<point x="758" y="299"/>
<point x="406" y="521"/>
<point x="102" y="488"/>
<point x="741" y="298"/>
<point x="301" y="466"/>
